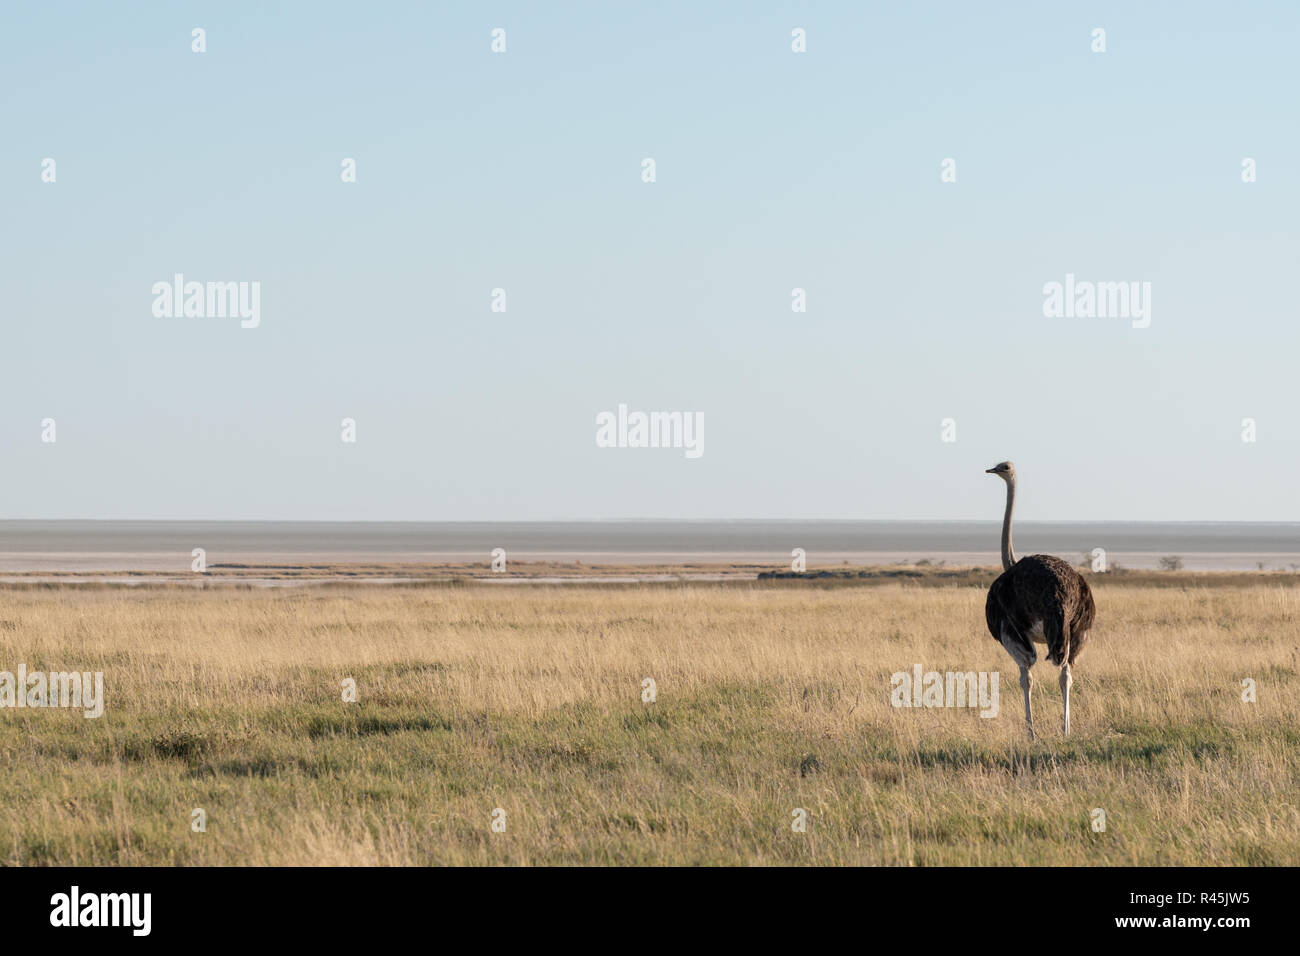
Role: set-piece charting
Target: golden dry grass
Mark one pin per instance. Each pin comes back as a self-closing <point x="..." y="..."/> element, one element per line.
<point x="528" y="698"/>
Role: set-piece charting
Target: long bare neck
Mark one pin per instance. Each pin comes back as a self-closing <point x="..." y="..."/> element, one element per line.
<point x="1008" y="556"/>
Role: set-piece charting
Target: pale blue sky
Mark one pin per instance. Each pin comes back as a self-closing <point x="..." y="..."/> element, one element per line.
<point x="522" y="171"/>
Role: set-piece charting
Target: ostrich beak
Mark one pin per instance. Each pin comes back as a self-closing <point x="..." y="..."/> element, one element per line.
<point x="990" y="471"/>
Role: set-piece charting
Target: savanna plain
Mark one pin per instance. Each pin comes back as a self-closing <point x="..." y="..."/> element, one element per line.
<point x="524" y="705"/>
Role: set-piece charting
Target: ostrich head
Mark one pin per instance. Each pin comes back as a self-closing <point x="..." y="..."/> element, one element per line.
<point x="1003" y="469"/>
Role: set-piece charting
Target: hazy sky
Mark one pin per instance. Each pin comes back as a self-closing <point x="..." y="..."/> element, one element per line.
<point x="523" y="171"/>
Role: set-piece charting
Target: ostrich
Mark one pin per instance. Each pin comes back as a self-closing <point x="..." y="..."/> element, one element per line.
<point x="1040" y="599"/>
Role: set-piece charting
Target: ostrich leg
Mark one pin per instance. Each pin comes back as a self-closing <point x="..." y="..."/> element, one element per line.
<point x="1027" y="685"/>
<point x="1065" y="681"/>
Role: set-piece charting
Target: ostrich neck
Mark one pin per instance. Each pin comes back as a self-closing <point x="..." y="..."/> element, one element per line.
<point x="1008" y="556"/>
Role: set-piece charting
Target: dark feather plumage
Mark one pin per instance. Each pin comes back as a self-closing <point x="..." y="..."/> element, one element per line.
<point x="1041" y="589"/>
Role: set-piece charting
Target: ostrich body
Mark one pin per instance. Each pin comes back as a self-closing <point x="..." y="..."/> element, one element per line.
<point x="1037" y="599"/>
